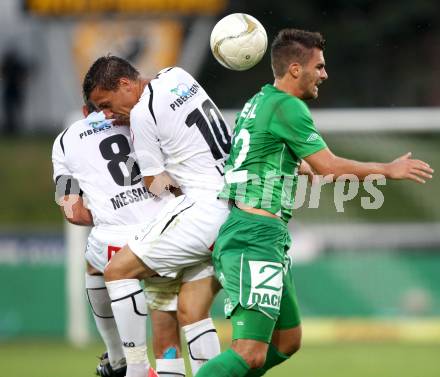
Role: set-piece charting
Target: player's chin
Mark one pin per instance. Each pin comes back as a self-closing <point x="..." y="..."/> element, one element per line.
<point x="316" y="90"/>
<point x="313" y="94"/>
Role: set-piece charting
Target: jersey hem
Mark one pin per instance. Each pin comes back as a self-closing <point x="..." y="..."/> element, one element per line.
<point x="313" y="151"/>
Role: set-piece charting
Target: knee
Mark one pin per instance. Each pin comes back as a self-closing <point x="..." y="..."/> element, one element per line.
<point x="288" y="341"/>
<point x="292" y="347"/>
<point x="187" y="315"/>
<point x="122" y="266"/>
<point x="183" y="317"/>
<point x="195" y="300"/>
<point x="253" y="352"/>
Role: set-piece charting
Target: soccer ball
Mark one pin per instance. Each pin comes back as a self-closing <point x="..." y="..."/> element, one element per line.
<point x="238" y="41"/>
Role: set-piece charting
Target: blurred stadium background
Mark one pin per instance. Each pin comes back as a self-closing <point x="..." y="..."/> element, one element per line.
<point x="368" y="281"/>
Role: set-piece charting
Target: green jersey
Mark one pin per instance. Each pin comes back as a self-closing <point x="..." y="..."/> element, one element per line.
<point x="273" y="132"/>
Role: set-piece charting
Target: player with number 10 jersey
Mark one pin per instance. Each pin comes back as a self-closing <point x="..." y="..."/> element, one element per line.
<point x="177" y="128"/>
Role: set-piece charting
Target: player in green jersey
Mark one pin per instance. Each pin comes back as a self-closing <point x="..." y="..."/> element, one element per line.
<point x="274" y="136"/>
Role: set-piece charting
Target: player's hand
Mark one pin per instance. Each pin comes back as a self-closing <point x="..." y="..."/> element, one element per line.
<point x="160" y="183"/>
<point x="404" y="167"/>
<point x="306" y="169"/>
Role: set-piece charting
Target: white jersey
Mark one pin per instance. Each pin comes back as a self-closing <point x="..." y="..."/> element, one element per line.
<point x="177" y="128"/>
<point x="101" y="163"/>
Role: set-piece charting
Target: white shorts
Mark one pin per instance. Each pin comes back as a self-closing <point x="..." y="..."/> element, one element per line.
<point x="105" y="240"/>
<point x="161" y="292"/>
<point x="181" y="235"/>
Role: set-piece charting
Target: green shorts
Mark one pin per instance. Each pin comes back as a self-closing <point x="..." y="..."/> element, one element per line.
<point x="251" y="262"/>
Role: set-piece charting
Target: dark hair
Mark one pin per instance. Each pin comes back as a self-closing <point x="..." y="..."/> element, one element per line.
<point x="90" y="107"/>
<point x="293" y="45"/>
<point x="105" y="73"/>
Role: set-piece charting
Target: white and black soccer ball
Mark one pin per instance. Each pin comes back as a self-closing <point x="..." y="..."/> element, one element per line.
<point x="238" y="41"/>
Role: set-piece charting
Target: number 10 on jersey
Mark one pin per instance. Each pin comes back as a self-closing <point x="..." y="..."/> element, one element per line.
<point x="215" y="133"/>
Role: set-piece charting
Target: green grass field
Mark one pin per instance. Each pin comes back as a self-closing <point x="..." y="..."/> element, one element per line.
<point x="56" y="359"/>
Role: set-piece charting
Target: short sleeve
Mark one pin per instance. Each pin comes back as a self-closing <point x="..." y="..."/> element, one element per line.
<point x="146" y="143"/>
<point x="295" y="126"/>
<point x="59" y="158"/>
<point x="62" y="176"/>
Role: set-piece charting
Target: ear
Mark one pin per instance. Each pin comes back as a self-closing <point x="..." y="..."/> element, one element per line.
<point x="125" y="83"/>
<point x="295" y="70"/>
<point x="85" y="111"/>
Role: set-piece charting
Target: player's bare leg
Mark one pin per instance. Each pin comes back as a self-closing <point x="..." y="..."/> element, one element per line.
<point x="284" y="344"/>
<point x="195" y="300"/>
<point x="244" y="357"/>
<point x="287" y="341"/>
<point x="129" y="306"/>
<point x="165" y="328"/>
<point x="252" y="358"/>
<point x="253" y="352"/>
<point x="100" y="304"/>
<point x="126" y="265"/>
<point x="166" y="343"/>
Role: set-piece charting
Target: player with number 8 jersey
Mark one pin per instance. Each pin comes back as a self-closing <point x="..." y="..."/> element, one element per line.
<point x="107" y="152"/>
<point x="107" y="176"/>
<point x="97" y="166"/>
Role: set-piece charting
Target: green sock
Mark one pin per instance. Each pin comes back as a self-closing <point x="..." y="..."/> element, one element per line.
<point x="273" y="358"/>
<point x="227" y="364"/>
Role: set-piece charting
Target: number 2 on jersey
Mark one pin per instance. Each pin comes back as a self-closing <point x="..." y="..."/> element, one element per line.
<point x="234" y="175"/>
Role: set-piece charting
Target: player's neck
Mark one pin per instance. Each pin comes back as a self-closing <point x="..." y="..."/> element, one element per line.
<point x="142" y="84"/>
<point x="285" y="84"/>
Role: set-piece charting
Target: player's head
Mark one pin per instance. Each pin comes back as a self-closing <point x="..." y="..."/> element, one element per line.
<point x="297" y="58"/>
<point x="112" y="85"/>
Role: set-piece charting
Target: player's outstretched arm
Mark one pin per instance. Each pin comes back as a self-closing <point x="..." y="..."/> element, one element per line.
<point x="74" y="210"/>
<point x="306" y="169"/>
<point x="326" y="163"/>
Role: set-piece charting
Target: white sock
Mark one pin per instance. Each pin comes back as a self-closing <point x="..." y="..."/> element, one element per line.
<point x="203" y="343"/>
<point x="130" y="311"/>
<point x="100" y="304"/>
<point x="170" y="367"/>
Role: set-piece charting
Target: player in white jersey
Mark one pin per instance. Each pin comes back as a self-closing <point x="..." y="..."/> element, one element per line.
<point x="181" y="142"/>
<point x="99" y="163"/>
